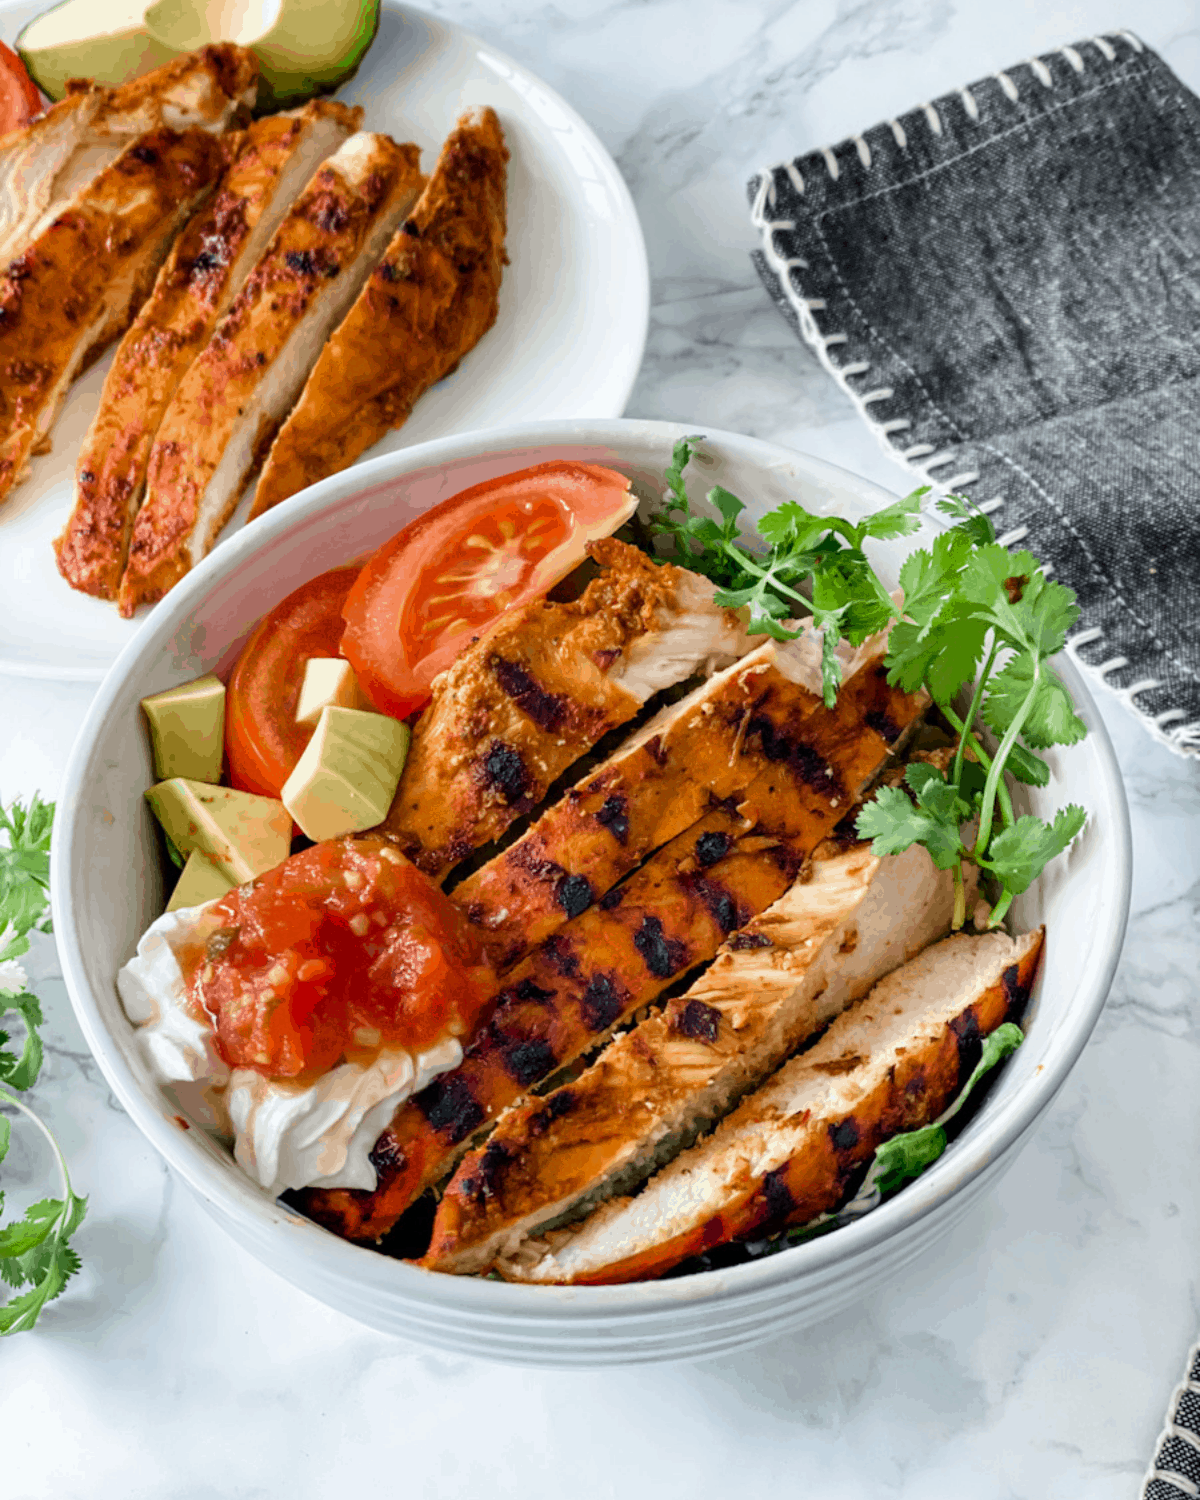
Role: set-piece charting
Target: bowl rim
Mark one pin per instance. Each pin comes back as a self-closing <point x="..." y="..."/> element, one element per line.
<point x="338" y="1260"/>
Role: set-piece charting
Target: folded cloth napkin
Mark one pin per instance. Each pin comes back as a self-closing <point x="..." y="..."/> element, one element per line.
<point x="1007" y="284"/>
<point x="1175" y="1469"/>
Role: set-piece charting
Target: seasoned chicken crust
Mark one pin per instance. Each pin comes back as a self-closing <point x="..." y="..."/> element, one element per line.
<point x="206" y="267"/>
<point x="427" y="304"/>
<point x="849" y="920"/>
<point x="621" y="953"/>
<point x="524" y="702"/>
<point x="79" y="284"/>
<point x="45" y="164"/>
<point x="233" y="397"/>
<point x="891" y="1063"/>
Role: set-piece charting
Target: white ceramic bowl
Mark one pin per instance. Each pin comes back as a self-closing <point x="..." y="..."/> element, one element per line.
<point x="107" y="888"/>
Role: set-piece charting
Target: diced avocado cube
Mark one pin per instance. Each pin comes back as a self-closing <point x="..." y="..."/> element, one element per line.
<point x="328" y="680"/>
<point x="187" y="729"/>
<point x="346" y="778"/>
<point x="201" y="881"/>
<point x="242" y="834"/>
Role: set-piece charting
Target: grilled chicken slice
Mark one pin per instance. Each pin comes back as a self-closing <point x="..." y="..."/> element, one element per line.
<point x="206" y="267"/>
<point x="786" y="974"/>
<point x="892" y="1062"/>
<point x="47" y="162"/>
<point x="232" y="399"/>
<point x="524" y="702"/>
<point x="660" y="782"/>
<point x="668" y="916"/>
<point x="427" y="304"/>
<point x="78" y="285"/>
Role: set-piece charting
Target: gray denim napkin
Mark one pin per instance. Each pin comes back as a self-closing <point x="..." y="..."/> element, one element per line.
<point x="1006" y="282"/>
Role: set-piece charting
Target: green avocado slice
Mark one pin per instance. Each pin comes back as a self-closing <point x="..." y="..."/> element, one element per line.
<point x="242" y="834"/>
<point x="201" y="881"/>
<point x="105" y="40"/>
<point x="309" y="47"/>
<point x="187" y="729"/>
<point x="304" y="47"/>
<point x="346" y="778"/>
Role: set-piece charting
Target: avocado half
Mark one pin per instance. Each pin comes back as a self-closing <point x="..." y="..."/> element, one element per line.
<point x="102" y="39"/>
<point x="304" y="47"/>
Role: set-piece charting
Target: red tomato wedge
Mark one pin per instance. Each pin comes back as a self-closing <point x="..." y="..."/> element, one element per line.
<point x="445" y="578"/>
<point x="262" y="739"/>
<point x="20" y="101"/>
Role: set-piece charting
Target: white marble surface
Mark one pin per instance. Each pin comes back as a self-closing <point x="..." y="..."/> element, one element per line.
<point x="1033" y="1354"/>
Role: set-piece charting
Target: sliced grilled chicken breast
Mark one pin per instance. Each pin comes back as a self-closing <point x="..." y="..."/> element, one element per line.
<point x="47" y="162"/>
<point x="892" y="1062"/>
<point x="233" y="397"/>
<point x="707" y="747"/>
<point x="77" y="286"/>
<point x="787" y="973"/>
<point x="206" y="267"/>
<point x="595" y="972"/>
<point x="524" y="702"/>
<point x="427" y="304"/>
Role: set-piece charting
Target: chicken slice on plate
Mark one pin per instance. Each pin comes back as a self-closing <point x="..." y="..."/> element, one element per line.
<point x="77" y="286"/>
<point x="667" y="917"/>
<point x="707" y="747"/>
<point x="206" y="267"/>
<point x="47" y="162"/>
<point x="891" y="1063"/>
<point x="233" y="397"/>
<point x="773" y="984"/>
<point x="427" y="304"/>
<point x="525" y="701"/>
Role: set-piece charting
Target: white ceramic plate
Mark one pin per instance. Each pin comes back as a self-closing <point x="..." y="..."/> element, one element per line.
<point x="107" y="889"/>
<point x="568" y="342"/>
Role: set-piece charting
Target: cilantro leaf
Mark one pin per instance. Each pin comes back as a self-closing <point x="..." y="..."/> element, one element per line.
<point x="901" y="518"/>
<point x="1051" y="718"/>
<point x="34" y="1251"/>
<point x="21" y="1072"/>
<point x="24" y="872"/>
<point x="972" y="522"/>
<point x="894" y="824"/>
<point x="1018" y="855"/>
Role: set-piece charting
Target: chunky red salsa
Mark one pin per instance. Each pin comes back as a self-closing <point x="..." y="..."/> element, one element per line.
<point x="341" y="949"/>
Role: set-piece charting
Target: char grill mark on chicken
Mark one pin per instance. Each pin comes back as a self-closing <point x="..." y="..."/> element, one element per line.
<point x="522" y="704"/>
<point x="656" y="785"/>
<point x="788" y="1153"/>
<point x="821" y="946"/>
<point x="596" y="971"/>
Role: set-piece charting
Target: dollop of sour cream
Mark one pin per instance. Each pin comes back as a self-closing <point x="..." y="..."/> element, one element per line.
<point x="285" y="1135"/>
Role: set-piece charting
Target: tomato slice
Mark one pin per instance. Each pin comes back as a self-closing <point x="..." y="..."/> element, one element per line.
<point x="20" y="101"/>
<point x="262" y="739"/>
<point x="446" y="577"/>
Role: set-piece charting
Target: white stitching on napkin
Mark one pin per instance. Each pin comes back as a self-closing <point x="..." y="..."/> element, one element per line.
<point x="1041" y="72"/>
<point x="1169" y="1429"/>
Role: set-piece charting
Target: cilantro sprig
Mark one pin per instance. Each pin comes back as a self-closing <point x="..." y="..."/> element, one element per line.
<point x="35" y="1250"/>
<point x="825" y="552"/>
<point x="973" y="613"/>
